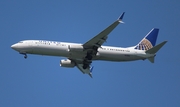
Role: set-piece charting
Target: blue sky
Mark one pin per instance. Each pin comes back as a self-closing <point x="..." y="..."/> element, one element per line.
<point x="40" y="81"/>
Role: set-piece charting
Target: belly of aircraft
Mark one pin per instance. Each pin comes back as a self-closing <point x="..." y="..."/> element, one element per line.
<point x="117" y="57"/>
<point x="48" y="51"/>
<point x="80" y="55"/>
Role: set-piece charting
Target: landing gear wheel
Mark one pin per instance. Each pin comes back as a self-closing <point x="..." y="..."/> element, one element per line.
<point x="25" y="56"/>
<point x="89" y="57"/>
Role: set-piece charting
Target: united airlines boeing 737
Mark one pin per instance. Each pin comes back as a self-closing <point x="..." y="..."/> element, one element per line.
<point x="82" y="55"/>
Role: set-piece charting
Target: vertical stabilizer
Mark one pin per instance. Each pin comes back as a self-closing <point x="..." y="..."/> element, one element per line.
<point x="149" y="41"/>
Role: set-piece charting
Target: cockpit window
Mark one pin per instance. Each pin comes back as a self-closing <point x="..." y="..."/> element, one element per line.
<point x="20" y="42"/>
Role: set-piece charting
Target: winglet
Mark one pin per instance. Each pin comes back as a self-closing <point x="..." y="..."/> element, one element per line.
<point x="91" y="69"/>
<point x="121" y="17"/>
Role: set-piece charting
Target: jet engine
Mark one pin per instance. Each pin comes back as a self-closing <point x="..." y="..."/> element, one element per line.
<point x="67" y="63"/>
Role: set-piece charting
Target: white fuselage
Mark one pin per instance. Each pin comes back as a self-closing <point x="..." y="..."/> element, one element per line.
<point x="75" y="50"/>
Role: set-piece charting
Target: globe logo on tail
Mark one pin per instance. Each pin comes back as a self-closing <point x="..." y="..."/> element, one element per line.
<point x="145" y="44"/>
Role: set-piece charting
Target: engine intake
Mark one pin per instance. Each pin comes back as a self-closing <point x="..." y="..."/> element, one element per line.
<point x="67" y="63"/>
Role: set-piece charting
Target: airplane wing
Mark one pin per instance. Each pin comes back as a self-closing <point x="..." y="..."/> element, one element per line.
<point x="92" y="46"/>
<point x="99" y="39"/>
<point x="80" y="63"/>
<point x="88" y="70"/>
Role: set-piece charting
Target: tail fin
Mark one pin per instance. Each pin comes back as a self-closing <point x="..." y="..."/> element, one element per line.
<point x="149" y="41"/>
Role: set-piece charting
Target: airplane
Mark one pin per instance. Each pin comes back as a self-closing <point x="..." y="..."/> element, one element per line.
<point x="82" y="55"/>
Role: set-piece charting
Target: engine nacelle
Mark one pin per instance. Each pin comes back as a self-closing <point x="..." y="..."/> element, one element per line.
<point x="67" y="63"/>
<point x="76" y="48"/>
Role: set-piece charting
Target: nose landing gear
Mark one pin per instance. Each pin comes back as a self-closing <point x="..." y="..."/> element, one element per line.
<point x="25" y="55"/>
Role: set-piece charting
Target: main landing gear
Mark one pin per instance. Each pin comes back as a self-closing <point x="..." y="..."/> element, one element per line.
<point x="25" y="56"/>
<point x="89" y="57"/>
<point x="87" y="61"/>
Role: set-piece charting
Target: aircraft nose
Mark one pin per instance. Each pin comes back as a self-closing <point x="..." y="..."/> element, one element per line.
<point x="14" y="46"/>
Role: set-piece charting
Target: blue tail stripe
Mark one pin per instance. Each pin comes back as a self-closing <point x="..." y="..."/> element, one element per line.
<point x="152" y="36"/>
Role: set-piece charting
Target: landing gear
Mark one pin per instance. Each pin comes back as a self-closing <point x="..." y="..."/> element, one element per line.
<point x="89" y="57"/>
<point x="87" y="61"/>
<point x="25" y="55"/>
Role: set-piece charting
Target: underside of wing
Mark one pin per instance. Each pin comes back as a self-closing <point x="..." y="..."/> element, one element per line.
<point x="88" y="70"/>
<point x="93" y="44"/>
<point x="90" y="48"/>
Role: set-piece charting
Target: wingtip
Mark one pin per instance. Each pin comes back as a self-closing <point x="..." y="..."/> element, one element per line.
<point x="165" y="41"/>
<point x="121" y="17"/>
<point x="90" y="74"/>
<point x="91" y="69"/>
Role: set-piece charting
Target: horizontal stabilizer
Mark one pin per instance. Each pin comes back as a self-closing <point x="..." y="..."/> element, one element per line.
<point x="156" y="48"/>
